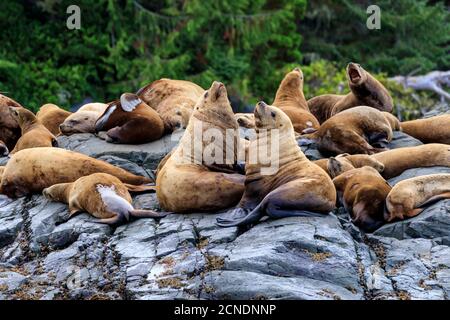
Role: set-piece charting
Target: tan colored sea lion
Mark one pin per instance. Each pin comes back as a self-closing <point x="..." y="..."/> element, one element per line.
<point x="101" y="195"/>
<point x="393" y="121"/>
<point x="246" y="120"/>
<point x="4" y="151"/>
<point x="297" y="188"/>
<point x="345" y="162"/>
<point x="430" y="130"/>
<point x="363" y="192"/>
<point x="408" y="198"/>
<point x="52" y="116"/>
<point x="398" y="160"/>
<point x="359" y="130"/>
<point x="34" y="133"/>
<point x="365" y="91"/>
<point x="32" y="170"/>
<point x="130" y="121"/>
<point x="291" y="100"/>
<point x="189" y="181"/>
<point x="174" y="100"/>
<point x="83" y="121"/>
<point x="9" y="128"/>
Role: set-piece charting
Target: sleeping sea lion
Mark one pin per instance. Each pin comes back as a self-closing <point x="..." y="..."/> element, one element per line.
<point x="430" y="130"/>
<point x="345" y="162"/>
<point x="83" y="121"/>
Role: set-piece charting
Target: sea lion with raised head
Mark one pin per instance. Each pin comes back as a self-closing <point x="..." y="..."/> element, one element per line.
<point x="52" y="116"/>
<point x="408" y="197"/>
<point x="298" y="187"/>
<point x="174" y="100"/>
<point x="130" y="121"/>
<point x="429" y="130"/>
<point x="83" y="120"/>
<point x="345" y="162"/>
<point x="365" y="91"/>
<point x="34" y="133"/>
<point x="363" y="192"/>
<point x="32" y="170"/>
<point x="359" y="130"/>
<point x="191" y="182"/>
<point x="9" y="127"/>
<point x="101" y="195"/>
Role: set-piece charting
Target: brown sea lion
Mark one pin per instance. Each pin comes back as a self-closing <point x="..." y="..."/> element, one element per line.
<point x="430" y="130"/>
<point x="130" y="121"/>
<point x="298" y="187"/>
<point x="52" y="116"/>
<point x="398" y="160"/>
<point x="174" y="100"/>
<point x="345" y="162"/>
<point x="32" y="170"/>
<point x="365" y="91"/>
<point x="4" y="151"/>
<point x="189" y="181"/>
<point x="101" y="195"/>
<point x="359" y="130"/>
<point x="408" y="198"/>
<point x="9" y="127"/>
<point x="363" y="192"/>
<point x="83" y="121"/>
<point x="34" y="133"/>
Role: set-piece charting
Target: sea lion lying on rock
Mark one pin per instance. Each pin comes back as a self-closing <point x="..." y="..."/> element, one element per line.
<point x="430" y="130"/>
<point x="363" y="192"/>
<point x="174" y="100"/>
<point x="365" y="91"/>
<point x="345" y="162"/>
<point x="359" y="130"/>
<point x="32" y="170"/>
<point x="130" y="121"/>
<point x="408" y="198"/>
<point x="52" y="116"/>
<point x="101" y="195"/>
<point x="190" y="182"/>
<point x="9" y="128"/>
<point x="83" y="121"/>
<point x="34" y="133"/>
<point x="297" y="188"/>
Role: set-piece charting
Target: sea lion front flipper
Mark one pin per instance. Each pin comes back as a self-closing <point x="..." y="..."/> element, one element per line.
<point x="140" y="189"/>
<point x="278" y="213"/>
<point x="129" y="101"/>
<point x="254" y="216"/>
<point x="233" y="215"/>
<point x="148" y="214"/>
<point x="115" y="220"/>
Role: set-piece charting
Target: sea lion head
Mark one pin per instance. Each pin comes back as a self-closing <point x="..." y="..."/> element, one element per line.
<point x="368" y="209"/>
<point x="22" y="116"/>
<point x="368" y="89"/>
<point x="56" y="192"/>
<point x="293" y="80"/>
<point x="271" y="117"/>
<point x="79" y="122"/>
<point x="345" y="162"/>
<point x="396" y="204"/>
<point x="3" y="149"/>
<point x="180" y="118"/>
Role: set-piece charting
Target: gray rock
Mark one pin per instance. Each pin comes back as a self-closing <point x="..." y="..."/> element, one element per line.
<point x="11" y="281"/>
<point x="402" y="140"/>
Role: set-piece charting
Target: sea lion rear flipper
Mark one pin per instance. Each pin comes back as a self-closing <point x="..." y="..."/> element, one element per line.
<point x="278" y="213"/>
<point x="148" y="214"/>
<point x="115" y="220"/>
<point x="253" y="217"/>
<point x="140" y="189"/>
<point x="129" y="101"/>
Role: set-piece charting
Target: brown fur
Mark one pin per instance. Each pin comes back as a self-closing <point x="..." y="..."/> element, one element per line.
<point x="83" y="121"/>
<point x="186" y="183"/>
<point x="52" y="116"/>
<point x="32" y="170"/>
<point x="141" y="125"/>
<point x="34" y="133"/>
<point x="174" y="100"/>
<point x="365" y="91"/>
<point x="363" y="192"/>
<point x="9" y="127"/>
<point x="393" y="121"/>
<point x="84" y="195"/>
<point x="408" y="198"/>
<point x="398" y="160"/>
<point x="345" y="162"/>
<point x="297" y="188"/>
<point x="353" y="131"/>
<point x="430" y="130"/>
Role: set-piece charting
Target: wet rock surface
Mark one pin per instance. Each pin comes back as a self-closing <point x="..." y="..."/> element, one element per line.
<point x="45" y="256"/>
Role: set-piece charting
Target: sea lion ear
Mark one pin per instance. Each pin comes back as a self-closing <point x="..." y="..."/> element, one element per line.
<point x="129" y="101"/>
<point x="334" y="167"/>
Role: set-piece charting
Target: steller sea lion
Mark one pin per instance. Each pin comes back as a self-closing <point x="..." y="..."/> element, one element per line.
<point x="190" y="182"/>
<point x="4" y="151"/>
<point x="52" y="116"/>
<point x="393" y="121"/>
<point x="130" y="121"/>
<point x="101" y="195"/>
<point x="430" y="130"/>
<point x="83" y="121"/>
<point x="363" y="192"/>
<point x="365" y="91"/>
<point x="32" y="170"/>
<point x="408" y="198"/>
<point x="359" y="130"/>
<point x="345" y="162"/>
<point x="174" y="100"/>
<point x="298" y="188"/>
<point x="398" y="160"/>
<point x="9" y="128"/>
<point x="34" y="133"/>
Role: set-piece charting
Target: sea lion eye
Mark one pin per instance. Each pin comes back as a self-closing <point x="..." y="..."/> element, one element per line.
<point x="273" y="114"/>
<point x="86" y="119"/>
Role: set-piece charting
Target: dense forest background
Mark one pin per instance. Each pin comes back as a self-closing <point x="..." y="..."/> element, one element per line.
<point x="247" y="44"/>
